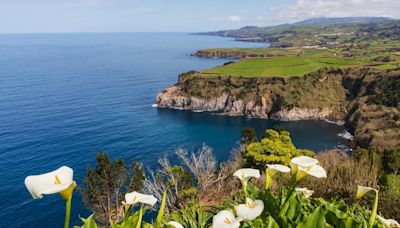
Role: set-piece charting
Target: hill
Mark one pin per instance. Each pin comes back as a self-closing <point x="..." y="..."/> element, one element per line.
<point x="322" y="32"/>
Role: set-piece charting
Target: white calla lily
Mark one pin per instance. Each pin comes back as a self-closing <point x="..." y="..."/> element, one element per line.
<point x="362" y="190"/>
<point x="226" y="219"/>
<point x="133" y="198"/>
<point x="271" y="171"/>
<point x="303" y="161"/>
<point x="274" y="168"/>
<point x="245" y="174"/>
<point x="306" y="192"/>
<point x="315" y="171"/>
<point x="389" y="223"/>
<point x="250" y="210"/>
<point x="56" y="181"/>
<point x="175" y="224"/>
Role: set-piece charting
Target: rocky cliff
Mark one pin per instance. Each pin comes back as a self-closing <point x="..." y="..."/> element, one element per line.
<point x="331" y="94"/>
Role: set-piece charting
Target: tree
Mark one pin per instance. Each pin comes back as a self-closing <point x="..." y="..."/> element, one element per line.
<point x="106" y="185"/>
<point x="248" y="136"/>
<point x="274" y="148"/>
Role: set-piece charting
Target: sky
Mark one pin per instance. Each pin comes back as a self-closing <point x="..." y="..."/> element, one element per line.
<point x="58" y="16"/>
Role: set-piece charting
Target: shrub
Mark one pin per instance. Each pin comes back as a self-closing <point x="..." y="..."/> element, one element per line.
<point x="274" y="147"/>
<point x="106" y="184"/>
<point x="248" y="136"/>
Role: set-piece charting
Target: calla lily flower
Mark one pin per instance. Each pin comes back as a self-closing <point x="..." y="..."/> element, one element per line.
<point x="315" y="171"/>
<point x="245" y="174"/>
<point x="303" y="161"/>
<point x="136" y="197"/>
<point x="57" y="181"/>
<point x="226" y="219"/>
<point x="175" y="224"/>
<point x="303" y="166"/>
<point x="362" y="190"/>
<point x="389" y="223"/>
<point x="271" y="171"/>
<point x="306" y="192"/>
<point x="274" y="168"/>
<point x="250" y="210"/>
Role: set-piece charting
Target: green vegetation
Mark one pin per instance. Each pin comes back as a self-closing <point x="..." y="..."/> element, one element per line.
<point x="275" y="147"/>
<point x="278" y="66"/>
<point x="106" y="185"/>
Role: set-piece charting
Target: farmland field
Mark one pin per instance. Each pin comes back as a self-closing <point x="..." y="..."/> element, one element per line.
<point x="278" y="66"/>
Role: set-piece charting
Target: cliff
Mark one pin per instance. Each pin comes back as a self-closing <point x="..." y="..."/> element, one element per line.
<point x="351" y="94"/>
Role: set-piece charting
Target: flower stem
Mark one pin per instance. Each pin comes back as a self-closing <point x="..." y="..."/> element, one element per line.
<point x="67" y="212"/>
<point x="374" y="210"/>
<point x="139" y="223"/>
<point x="245" y="189"/>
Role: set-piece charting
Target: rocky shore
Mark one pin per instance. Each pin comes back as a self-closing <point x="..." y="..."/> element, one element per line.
<point x="327" y="94"/>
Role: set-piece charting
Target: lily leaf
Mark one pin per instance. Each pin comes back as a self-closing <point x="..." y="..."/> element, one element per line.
<point x="89" y="222"/>
<point x="315" y="219"/>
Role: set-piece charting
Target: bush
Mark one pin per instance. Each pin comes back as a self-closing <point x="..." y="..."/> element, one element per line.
<point x="274" y="147"/>
<point x="106" y="184"/>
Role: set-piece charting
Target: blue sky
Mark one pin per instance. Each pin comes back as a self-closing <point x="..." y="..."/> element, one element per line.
<point x="31" y="16"/>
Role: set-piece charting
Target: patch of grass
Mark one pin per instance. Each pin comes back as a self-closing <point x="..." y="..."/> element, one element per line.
<point x="278" y="66"/>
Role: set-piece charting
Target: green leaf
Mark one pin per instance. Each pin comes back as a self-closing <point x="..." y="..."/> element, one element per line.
<point x="314" y="220"/>
<point x="89" y="222"/>
<point x="162" y="208"/>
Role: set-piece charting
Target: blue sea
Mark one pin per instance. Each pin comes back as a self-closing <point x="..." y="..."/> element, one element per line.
<point x="65" y="97"/>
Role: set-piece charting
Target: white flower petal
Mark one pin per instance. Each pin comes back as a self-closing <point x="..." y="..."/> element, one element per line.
<point x="225" y="219"/>
<point x="316" y="171"/>
<point x="279" y="168"/>
<point x="304" y="161"/>
<point x="175" y="224"/>
<point x="247" y="173"/>
<point x="38" y="185"/>
<point x="362" y="190"/>
<point x="136" y="197"/>
<point x="388" y="222"/>
<point x="250" y="210"/>
<point x="306" y="192"/>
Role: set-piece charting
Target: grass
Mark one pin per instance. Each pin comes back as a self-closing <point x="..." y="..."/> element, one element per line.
<point x="278" y="66"/>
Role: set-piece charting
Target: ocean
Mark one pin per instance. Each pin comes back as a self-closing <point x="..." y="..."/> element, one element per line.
<point x="65" y="97"/>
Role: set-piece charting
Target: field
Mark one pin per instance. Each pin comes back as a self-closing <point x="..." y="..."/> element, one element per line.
<point x="278" y="66"/>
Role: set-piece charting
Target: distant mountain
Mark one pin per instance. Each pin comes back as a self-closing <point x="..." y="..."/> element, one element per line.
<point x="324" y="21"/>
<point x="317" y="31"/>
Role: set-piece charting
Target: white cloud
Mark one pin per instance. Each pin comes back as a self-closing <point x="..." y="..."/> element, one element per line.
<point x="345" y="8"/>
<point x="228" y="18"/>
<point x="304" y="9"/>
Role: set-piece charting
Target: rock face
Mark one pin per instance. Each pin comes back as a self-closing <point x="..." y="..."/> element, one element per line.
<point x="174" y="97"/>
<point x="366" y="99"/>
<point x="302" y="114"/>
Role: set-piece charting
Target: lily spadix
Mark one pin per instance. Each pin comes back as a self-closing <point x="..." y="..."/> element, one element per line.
<point x="174" y="224"/>
<point x="58" y="181"/>
<point x="271" y="171"/>
<point x="306" y="192"/>
<point x="361" y="191"/>
<point x="389" y="223"/>
<point x="250" y="210"/>
<point x="244" y="176"/>
<point x="226" y="219"/>
<point x="303" y="166"/>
